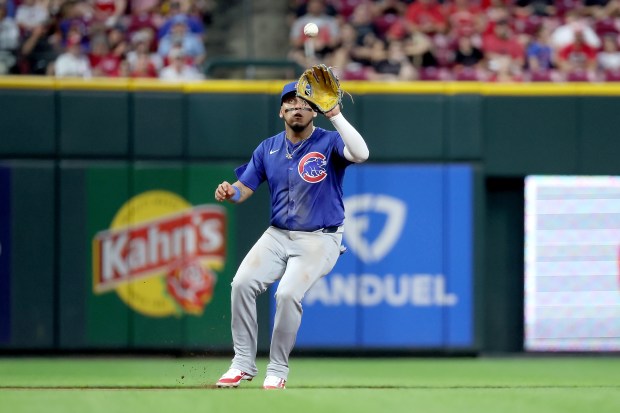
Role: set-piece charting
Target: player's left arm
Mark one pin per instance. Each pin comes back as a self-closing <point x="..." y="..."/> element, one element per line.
<point x="355" y="148"/>
<point x="235" y="193"/>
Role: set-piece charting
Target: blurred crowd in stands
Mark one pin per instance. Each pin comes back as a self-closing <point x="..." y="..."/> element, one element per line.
<point x="463" y="40"/>
<point x="485" y="40"/>
<point x="109" y="38"/>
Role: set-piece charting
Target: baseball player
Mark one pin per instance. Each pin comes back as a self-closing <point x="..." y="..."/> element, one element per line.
<point x="304" y="167"/>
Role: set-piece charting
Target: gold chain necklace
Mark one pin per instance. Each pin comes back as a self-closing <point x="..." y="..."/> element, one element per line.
<point x="289" y="155"/>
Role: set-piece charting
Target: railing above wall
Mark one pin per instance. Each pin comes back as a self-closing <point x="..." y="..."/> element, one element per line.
<point x="286" y="68"/>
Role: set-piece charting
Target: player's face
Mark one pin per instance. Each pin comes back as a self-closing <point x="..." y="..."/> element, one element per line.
<point x="297" y="113"/>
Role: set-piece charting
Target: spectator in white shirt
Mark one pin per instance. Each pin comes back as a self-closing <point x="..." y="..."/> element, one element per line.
<point x="609" y="57"/>
<point x="178" y="69"/>
<point x="30" y="14"/>
<point x="9" y="40"/>
<point x="565" y="34"/>
<point x="73" y="63"/>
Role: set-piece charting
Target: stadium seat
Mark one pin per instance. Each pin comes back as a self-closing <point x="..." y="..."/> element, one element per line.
<point x="606" y="26"/>
<point x="356" y="73"/>
<point x="430" y="73"/>
<point x="577" y="76"/>
<point x="540" y="76"/>
<point x="612" y="75"/>
<point x="467" y="74"/>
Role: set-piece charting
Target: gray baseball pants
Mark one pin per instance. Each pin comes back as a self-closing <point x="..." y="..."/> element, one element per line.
<point x="298" y="259"/>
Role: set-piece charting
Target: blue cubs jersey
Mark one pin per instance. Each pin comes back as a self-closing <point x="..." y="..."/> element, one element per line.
<point x="306" y="191"/>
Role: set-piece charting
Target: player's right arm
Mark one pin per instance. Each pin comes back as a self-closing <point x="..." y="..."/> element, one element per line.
<point x="236" y="193"/>
<point x="355" y="148"/>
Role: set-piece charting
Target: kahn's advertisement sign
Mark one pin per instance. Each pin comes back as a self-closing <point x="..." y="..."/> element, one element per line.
<point x="406" y="279"/>
<point x="161" y="254"/>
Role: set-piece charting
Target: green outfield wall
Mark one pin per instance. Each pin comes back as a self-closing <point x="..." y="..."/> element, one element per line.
<point x="84" y="163"/>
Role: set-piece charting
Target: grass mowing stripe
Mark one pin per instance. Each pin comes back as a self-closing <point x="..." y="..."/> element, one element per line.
<point x="356" y="385"/>
<point x="378" y="387"/>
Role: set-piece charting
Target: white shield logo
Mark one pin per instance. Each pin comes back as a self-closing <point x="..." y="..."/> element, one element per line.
<point x="357" y="223"/>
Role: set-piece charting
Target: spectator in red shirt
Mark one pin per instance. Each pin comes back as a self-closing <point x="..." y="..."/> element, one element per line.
<point x="104" y="62"/>
<point x="143" y="18"/>
<point x="502" y="43"/>
<point x="495" y="11"/>
<point x="389" y="19"/>
<point x="505" y="55"/>
<point x="143" y="66"/>
<point x="464" y="17"/>
<point x="346" y="8"/>
<point x="108" y="12"/>
<point x="578" y="59"/>
<point x="142" y="62"/>
<point x="427" y="16"/>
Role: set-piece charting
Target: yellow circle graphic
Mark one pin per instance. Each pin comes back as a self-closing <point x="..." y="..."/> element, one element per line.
<point x="148" y="295"/>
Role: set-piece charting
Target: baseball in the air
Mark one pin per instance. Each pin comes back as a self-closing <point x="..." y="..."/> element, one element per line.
<point x="311" y="30"/>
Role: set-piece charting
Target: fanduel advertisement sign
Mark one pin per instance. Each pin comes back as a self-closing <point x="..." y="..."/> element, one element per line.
<point x="406" y="279"/>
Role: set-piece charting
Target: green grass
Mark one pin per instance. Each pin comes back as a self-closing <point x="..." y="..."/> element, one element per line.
<point x="507" y="385"/>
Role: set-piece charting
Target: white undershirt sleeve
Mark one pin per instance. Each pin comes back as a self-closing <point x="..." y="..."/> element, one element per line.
<point x="355" y="148"/>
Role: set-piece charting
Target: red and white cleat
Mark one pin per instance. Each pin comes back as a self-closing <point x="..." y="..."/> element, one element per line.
<point x="232" y="378"/>
<point x="273" y="382"/>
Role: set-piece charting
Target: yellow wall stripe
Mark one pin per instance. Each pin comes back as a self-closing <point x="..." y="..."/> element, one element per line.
<point x="275" y="86"/>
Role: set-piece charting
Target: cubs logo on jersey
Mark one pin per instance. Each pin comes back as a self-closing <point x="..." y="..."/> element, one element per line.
<point x="313" y="167"/>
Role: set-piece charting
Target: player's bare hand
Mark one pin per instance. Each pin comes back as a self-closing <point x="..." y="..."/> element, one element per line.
<point x="224" y="191"/>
